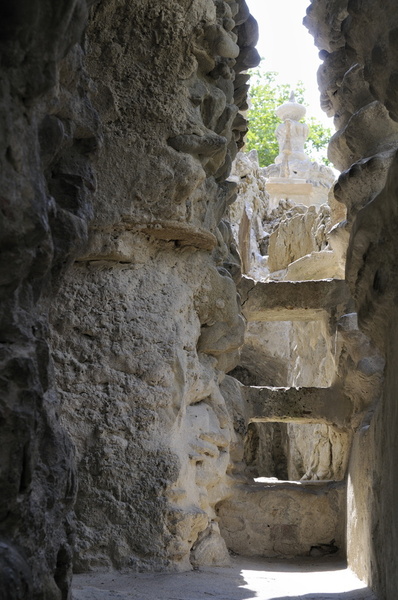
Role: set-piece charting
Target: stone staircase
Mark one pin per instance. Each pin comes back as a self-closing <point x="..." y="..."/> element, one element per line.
<point x="301" y="327"/>
<point x="269" y="517"/>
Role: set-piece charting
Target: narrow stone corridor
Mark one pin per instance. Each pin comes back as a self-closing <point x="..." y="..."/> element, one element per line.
<point x="246" y="579"/>
<point x="198" y="354"/>
<point x="284" y="216"/>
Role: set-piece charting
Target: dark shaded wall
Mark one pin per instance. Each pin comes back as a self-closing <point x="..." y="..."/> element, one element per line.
<point x="46" y="188"/>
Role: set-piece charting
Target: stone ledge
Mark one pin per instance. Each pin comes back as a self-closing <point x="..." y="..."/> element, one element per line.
<point x="118" y="243"/>
<point x="183" y="233"/>
<point x="293" y="300"/>
<point x="317" y="487"/>
<point x="298" y="405"/>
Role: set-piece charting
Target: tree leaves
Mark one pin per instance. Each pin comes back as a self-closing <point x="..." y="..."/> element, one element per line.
<point x="265" y="95"/>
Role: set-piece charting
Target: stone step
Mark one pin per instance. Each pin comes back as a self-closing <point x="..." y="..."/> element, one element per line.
<point x="284" y="518"/>
<point x="293" y="300"/>
<point x="298" y="405"/>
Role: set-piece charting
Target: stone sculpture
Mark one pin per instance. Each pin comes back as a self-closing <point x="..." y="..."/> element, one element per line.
<point x="294" y="176"/>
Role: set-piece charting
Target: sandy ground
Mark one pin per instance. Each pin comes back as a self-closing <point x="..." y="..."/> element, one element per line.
<point x="246" y="579"/>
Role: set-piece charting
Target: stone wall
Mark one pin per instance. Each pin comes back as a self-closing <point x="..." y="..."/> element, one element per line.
<point x="142" y="402"/>
<point x="358" y="82"/>
<point x="119" y="124"/>
<point x="47" y="130"/>
<point x="147" y="320"/>
<point x="285" y="519"/>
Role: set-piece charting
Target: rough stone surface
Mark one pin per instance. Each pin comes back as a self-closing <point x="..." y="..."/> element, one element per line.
<point x="298" y="236"/>
<point x="293" y="301"/>
<point x="137" y="102"/>
<point x="358" y="83"/>
<point x="147" y="320"/>
<point x="282" y="519"/>
<point x="119" y="124"/>
<point x="247" y="212"/>
<point x="298" y="405"/>
<point x="262" y="361"/>
<point x="45" y="205"/>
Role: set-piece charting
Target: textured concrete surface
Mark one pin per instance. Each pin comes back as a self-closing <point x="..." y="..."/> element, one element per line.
<point x="246" y="579"/>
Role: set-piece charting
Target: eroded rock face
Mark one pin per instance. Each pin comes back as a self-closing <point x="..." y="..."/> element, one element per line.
<point x="246" y="213"/>
<point x="143" y="405"/>
<point x="47" y="187"/>
<point x="358" y="82"/>
<point x="143" y="110"/>
<point x="284" y="520"/>
<point x="148" y="320"/>
<point x="171" y="83"/>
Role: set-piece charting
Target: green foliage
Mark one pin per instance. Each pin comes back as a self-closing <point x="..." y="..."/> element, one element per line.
<point x="265" y="96"/>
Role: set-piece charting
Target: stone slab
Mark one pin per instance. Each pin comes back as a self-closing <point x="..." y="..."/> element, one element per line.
<point x="293" y="300"/>
<point x="298" y="405"/>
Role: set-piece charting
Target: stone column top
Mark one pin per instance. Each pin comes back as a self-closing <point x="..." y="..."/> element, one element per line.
<point x="291" y="109"/>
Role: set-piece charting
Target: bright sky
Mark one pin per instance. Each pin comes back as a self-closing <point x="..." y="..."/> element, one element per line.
<point x="288" y="48"/>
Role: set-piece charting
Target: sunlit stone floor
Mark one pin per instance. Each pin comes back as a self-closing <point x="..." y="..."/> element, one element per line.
<point x="246" y="579"/>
